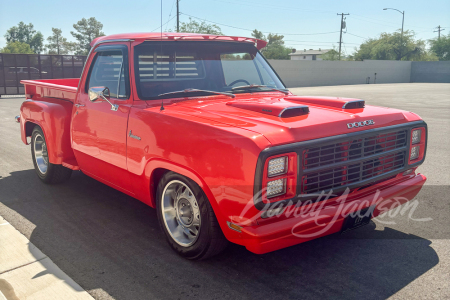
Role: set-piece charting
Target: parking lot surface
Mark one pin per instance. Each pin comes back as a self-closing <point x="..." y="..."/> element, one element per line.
<point x="111" y="244"/>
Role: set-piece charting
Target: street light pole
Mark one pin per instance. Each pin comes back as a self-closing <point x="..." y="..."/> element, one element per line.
<point x="403" y="22"/>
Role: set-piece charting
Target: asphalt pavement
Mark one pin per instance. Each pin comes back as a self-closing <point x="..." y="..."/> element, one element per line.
<point x="111" y="245"/>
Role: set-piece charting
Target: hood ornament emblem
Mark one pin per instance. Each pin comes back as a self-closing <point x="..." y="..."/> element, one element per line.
<point x="360" y="124"/>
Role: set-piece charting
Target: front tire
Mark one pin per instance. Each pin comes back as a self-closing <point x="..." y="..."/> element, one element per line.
<point x="46" y="171"/>
<point x="187" y="218"/>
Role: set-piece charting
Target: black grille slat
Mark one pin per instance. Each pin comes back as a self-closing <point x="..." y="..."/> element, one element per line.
<point x="328" y="172"/>
<point x="344" y="175"/>
<point x="350" y="161"/>
<point x="339" y="170"/>
<point x="353" y="149"/>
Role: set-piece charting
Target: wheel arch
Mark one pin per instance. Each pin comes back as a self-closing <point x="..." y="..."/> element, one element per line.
<point x="156" y="168"/>
<point x="54" y="119"/>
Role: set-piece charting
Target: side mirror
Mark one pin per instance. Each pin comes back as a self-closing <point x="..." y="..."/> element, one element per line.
<point x="101" y="92"/>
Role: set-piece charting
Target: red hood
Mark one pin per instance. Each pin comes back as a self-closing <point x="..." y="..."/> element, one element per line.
<point x="259" y="113"/>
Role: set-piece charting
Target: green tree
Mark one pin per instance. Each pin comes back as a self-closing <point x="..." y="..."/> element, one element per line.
<point x="331" y="55"/>
<point x="17" y="47"/>
<point x="275" y="48"/>
<point x="391" y="46"/>
<point x="195" y="27"/>
<point x="26" y="34"/>
<point x="57" y="44"/>
<point x="86" y="30"/>
<point x="441" y="47"/>
<point x="258" y="35"/>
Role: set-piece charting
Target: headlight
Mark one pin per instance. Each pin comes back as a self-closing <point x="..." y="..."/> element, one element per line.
<point x="416" y="136"/>
<point x="414" y="152"/>
<point x="276" y="187"/>
<point x="277" y="166"/>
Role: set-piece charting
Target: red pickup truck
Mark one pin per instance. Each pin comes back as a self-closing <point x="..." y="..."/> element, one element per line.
<point x="201" y="128"/>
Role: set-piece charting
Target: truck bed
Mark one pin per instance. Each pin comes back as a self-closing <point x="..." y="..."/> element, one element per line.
<point x="65" y="89"/>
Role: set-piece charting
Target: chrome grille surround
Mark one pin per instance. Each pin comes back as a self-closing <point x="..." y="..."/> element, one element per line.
<point x="379" y="154"/>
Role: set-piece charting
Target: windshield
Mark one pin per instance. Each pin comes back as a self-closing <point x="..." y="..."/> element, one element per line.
<point x="165" y="67"/>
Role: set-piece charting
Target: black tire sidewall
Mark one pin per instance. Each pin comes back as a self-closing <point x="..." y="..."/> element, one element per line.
<point x="200" y="247"/>
<point x="47" y="176"/>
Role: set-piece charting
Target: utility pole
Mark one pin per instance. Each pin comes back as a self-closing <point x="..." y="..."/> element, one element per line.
<point x="342" y="27"/>
<point x="178" y="15"/>
<point x="439" y="29"/>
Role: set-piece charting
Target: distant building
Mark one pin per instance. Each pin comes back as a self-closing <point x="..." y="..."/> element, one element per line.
<point x="308" y="54"/>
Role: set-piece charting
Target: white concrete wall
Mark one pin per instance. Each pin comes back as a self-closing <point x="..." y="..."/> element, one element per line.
<point x="319" y="73"/>
<point x="430" y="71"/>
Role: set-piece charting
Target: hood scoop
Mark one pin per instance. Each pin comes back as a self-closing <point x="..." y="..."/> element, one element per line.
<point x="334" y="102"/>
<point x="281" y="109"/>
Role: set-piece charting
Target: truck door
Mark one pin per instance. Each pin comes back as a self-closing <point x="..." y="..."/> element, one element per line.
<point x="99" y="134"/>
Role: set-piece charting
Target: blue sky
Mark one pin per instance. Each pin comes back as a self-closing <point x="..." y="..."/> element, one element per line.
<point x="302" y="22"/>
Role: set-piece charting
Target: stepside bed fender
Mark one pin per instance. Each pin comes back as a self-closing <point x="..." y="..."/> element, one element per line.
<point x="54" y="117"/>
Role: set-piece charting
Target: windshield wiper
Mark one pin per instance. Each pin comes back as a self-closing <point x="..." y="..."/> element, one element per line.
<point x="251" y="86"/>
<point x="186" y="91"/>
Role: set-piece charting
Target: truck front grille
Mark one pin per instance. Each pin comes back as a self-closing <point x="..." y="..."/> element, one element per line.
<point x="326" y="180"/>
<point x="353" y="149"/>
<point x="346" y="162"/>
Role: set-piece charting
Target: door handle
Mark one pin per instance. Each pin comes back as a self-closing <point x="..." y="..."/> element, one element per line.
<point x="79" y="105"/>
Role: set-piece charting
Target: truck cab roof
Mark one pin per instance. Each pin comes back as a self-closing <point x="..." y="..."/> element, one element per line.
<point x="173" y="36"/>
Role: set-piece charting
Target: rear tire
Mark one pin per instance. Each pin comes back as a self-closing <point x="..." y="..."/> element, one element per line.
<point x="187" y="218"/>
<point x="46" y="171"/>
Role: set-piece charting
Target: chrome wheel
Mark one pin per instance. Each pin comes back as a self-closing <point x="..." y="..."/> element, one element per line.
<point x="181" y="213"/>
<point x="40" y="153"/>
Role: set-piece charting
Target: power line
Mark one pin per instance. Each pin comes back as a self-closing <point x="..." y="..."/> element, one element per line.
<point x="357" y="36"/>
<point x="246" y="29"/>
<point x="259" y="5"/>
<point x="316" y="42"/>
<point x="170" y="14"/>
<point x="382" y="21"/>
<point x="290" y="8"/>
<point x="163" y="24"/>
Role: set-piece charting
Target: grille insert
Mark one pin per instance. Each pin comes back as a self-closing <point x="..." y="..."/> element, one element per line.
<point x="325" y="180"/>
<point x="353" y="149"/>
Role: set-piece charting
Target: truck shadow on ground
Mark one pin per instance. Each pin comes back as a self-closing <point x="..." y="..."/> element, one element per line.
<point x="111" y="244"/>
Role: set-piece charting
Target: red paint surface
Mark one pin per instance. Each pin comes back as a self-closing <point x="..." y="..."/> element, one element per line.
<point x="206" y="139"/>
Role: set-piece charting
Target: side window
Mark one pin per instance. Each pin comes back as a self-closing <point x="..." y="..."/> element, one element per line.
<point x="109" y="70"/>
